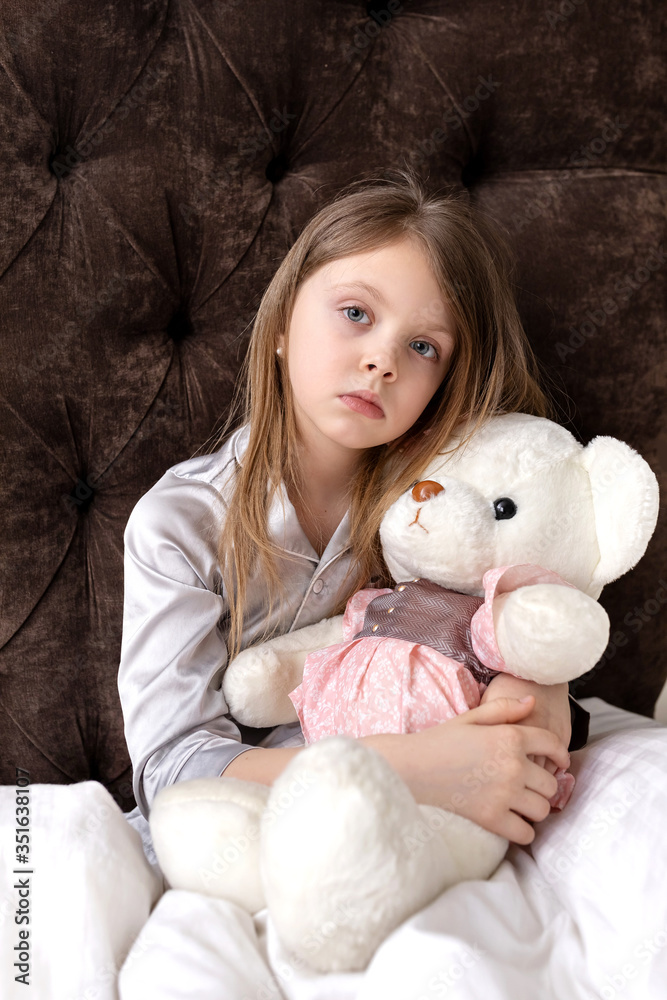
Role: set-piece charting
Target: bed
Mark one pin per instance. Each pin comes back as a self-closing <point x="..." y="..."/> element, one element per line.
<point x="579" y="913"/>
<point x="160" y="158"/>
<point x="566" y="918"/>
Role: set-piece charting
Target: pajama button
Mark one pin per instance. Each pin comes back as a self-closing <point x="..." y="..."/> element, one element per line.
<point x="317" y="587"/>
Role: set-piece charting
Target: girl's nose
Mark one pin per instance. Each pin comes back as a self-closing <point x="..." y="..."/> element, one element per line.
<point x="388" y="373"/>
<point x="383" y="362"/>
<point x="426" y="489"/>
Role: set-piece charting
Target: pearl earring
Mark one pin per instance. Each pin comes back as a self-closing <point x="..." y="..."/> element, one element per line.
<point x="279" y="350"/>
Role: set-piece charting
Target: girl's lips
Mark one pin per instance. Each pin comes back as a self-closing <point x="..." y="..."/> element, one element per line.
<point x="363" y="406"/>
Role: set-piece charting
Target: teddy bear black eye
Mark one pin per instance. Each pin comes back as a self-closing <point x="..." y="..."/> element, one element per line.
<point x="504" y="508"/>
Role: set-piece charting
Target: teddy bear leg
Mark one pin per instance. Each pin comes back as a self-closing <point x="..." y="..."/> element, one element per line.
<point x="206" y="837"/>
<point x="338" y="864"/>
<point x="474" y="851"/>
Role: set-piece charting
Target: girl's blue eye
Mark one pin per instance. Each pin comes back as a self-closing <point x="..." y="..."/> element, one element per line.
<point x="356" y="308"/>
<point x="424" y="343"/>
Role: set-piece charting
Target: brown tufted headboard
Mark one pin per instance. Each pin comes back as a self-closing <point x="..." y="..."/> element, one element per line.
<point x="158" y="161"/>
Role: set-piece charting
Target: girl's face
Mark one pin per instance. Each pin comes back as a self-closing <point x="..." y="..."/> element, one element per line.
<point x="364" y="361"/>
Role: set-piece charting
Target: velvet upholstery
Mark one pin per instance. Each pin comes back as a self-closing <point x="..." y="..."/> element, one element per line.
<point x="159" y="159"/>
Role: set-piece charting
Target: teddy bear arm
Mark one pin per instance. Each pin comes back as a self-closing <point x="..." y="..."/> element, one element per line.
<point x="549" y="633"/>
<point x="257" y="682"/>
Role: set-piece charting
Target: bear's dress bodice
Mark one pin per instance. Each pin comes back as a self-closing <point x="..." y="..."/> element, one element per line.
<point x="424" y="612"/>
<point x="425" y="661"/>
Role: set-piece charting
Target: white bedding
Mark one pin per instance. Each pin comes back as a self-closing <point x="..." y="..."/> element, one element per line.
<point x="580" y="914"/>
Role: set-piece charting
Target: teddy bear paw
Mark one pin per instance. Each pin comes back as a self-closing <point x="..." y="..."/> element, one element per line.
<point x="206" y="835"/>
<point x="257" y="682"/>
<point x="475" y="852"/>
<point x="336" y="861"/>
<point x="548" y="633"/>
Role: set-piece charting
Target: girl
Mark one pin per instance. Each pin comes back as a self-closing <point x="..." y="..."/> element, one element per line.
<point x="389" y="321"/>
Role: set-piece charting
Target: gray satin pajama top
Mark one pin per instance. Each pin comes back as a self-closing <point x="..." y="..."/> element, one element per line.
<point x="173" y="652"/>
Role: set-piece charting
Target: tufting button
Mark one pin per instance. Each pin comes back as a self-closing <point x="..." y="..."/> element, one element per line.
<point x="178" y="326"/>
<point x="81" y="497"/>
<point x="381" y="11"/>
<point x="65" y="159"/>
<point x="317" y="587"/>
<point x="58" y="164"/>
<point x="277" y="168"/>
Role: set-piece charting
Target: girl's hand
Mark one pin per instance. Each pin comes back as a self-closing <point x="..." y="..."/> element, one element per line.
<point x="480" y="765"/>
<point x="551" y="709"/>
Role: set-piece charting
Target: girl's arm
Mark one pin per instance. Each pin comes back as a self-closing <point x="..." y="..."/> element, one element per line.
<point x="447" y="765"/>
<point x="551" y="710"/>
<point x="173" y="654"/>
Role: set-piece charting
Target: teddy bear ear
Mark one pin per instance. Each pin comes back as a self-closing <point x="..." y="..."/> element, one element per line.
<point x="625" y="503"/>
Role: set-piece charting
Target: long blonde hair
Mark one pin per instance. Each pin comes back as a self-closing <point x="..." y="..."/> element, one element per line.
<point x="492" y="369"/>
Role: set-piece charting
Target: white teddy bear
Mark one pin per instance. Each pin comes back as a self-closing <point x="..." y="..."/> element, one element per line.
<point x="530" y="525"/>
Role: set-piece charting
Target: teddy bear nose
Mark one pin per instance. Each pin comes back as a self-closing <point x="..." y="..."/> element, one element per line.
<point x="426" y="489"/>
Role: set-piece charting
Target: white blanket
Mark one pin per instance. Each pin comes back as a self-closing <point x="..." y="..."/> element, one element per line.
<point x="581" y="913"/>
<point x="68" y="916"/>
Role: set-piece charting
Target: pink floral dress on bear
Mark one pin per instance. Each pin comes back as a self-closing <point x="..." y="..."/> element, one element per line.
<point x="411" y="657"/>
